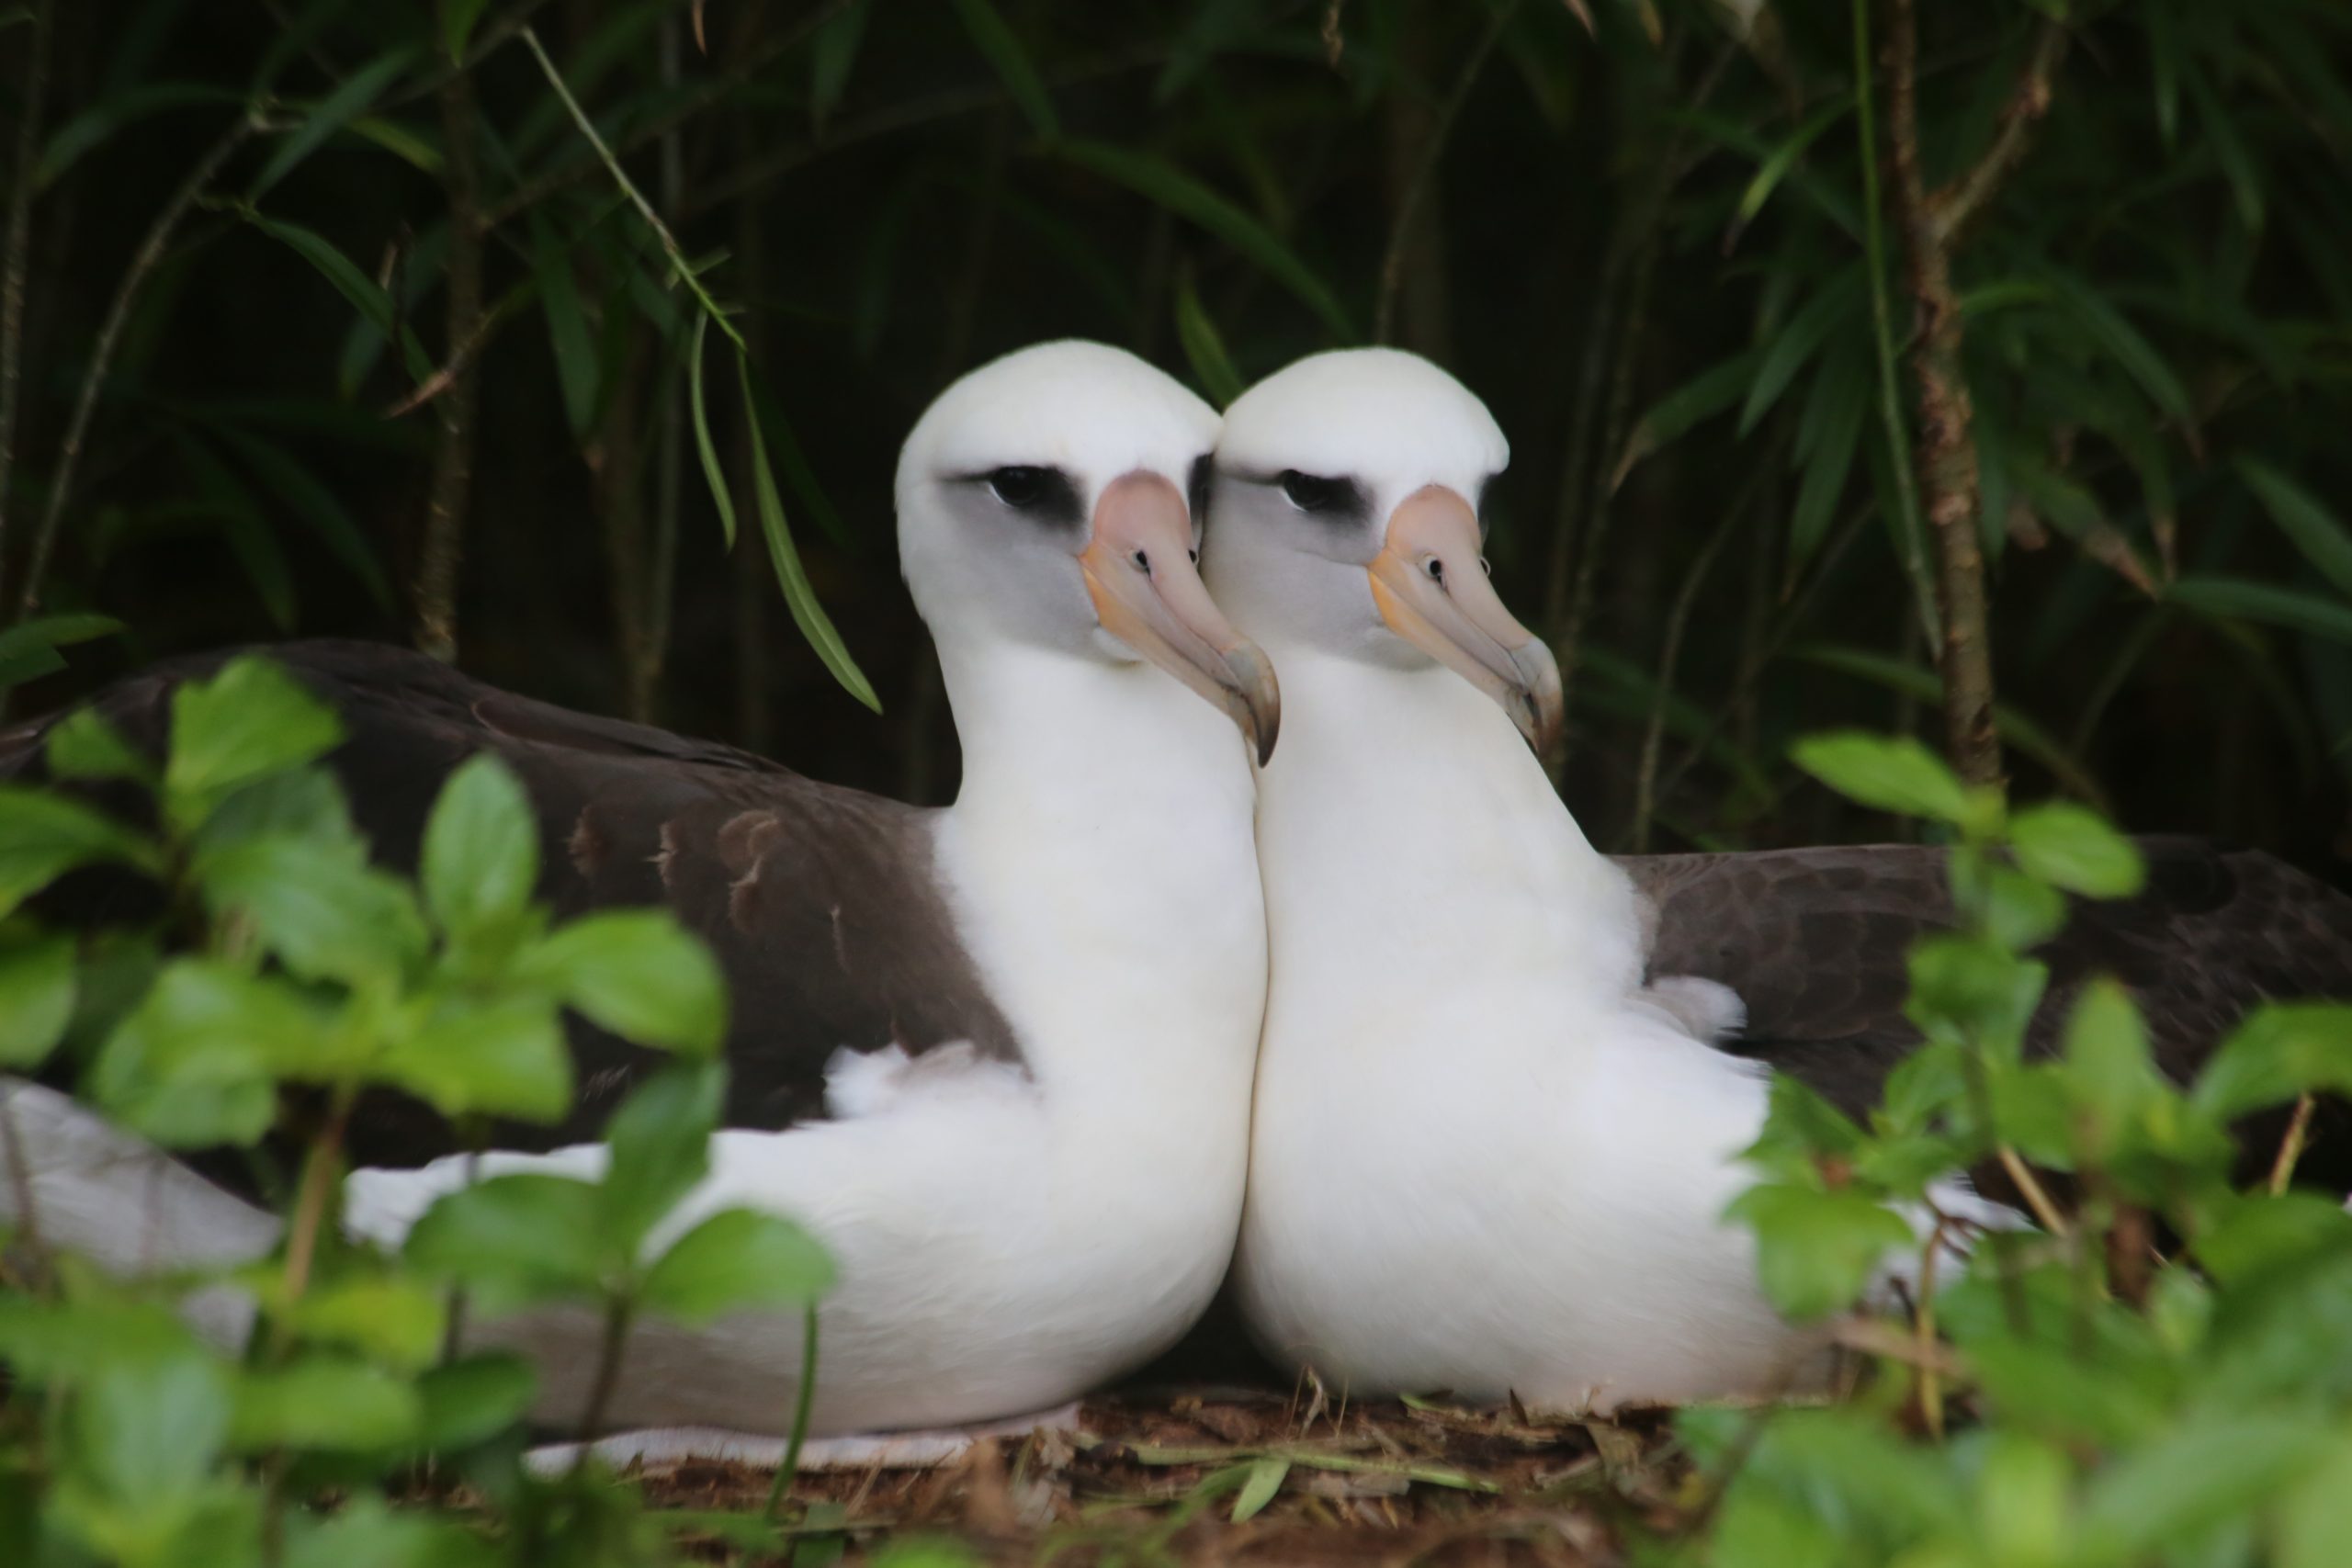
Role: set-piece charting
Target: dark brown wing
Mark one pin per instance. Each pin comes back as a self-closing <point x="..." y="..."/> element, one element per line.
<point x="817" y="900"/>
<point x="1813" y="940"/>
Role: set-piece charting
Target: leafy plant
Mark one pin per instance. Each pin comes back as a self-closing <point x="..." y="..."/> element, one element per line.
<point x="283" y="978"/>
<point x="2160" y="1372"/>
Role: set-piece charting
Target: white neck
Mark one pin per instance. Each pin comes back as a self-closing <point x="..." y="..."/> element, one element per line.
<point x="1101" y="858"/>
<point x="1413" y="849"/>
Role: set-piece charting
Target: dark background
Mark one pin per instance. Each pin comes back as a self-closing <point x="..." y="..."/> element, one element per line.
<point x="1584" y="222"/>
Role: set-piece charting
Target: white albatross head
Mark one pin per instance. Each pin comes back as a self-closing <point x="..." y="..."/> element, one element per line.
<point x="1345" y="518"/>
<point x="1050" y="498"/>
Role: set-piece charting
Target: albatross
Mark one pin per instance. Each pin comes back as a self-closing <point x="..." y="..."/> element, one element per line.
<point x="1494" y="1138"/>
<point x="998" y="1056"/>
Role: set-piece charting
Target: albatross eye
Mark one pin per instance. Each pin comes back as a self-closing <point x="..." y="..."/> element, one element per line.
<point x="1311" y="492"/>
<point x="1020" y="486"/>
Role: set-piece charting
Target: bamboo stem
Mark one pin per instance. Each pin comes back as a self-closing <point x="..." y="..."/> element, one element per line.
<point x="15" y="260"/>
<point x="444" y="517"/>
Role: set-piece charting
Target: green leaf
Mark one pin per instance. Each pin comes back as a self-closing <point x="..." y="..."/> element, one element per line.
<point x="1816" y="1250"/>
<point x="1267" y="1474"/>
<point x="325" y="917"/>
<point x="1968" y="989"/>
<point x="2229" y="149"/>
<point x="2018" y="910"/>
<point x="2322" y="537"/>
<point x="2222" y="1464"/>
<point x="576" y="367"/>
<point x="191" y="1063"/>
<point x="458" y="19"/>
<point x="704" y="448"/>
<point x="2284" y="1049"/>
<point x="91" y="128"/>
<point x="148" y="1430"/>
<point x="1839" y="301"/>
<point x="335" y="111"/>
<point x="661" y="1147"/>
<point x="250" y="720"/>
<point x="36" y="992"/>
<point x="1002" y="47"/>
<point x="2233" y="598"/>
<point x="316" y="505"/>
<point x="1839" y="398"/>
<point x="2109" y="1074"/>
<point x="30" y="648"/>
<point x="1686" y="408"/>
<point x="323" y="1402"/>
<point x="799" y="596"/>
<point x="2124" y="343"/>
<point x="350" y="282"/>
<point x="473" y="1398"/>
<point x="1887" y="772"/>
<point x="306" y="803"/>
<point x="639" y="974"/>
<point x="366" y="1533"/>
<point x="738" y="1259"/>
<point x="831" y="54"/>
<point x="481" y="858"/>
<point x="514" y="1241"/>
<point x="85" y="745"/>
<point x="1784" y="157"/>
<point x="388" y="1318"/>
<point x="2073" y="847"/>
<point x="1204" y="348"/>
<point x="1187" y="197"/>
<point x="43" y="836"/>
<point x="500" y="1056"/>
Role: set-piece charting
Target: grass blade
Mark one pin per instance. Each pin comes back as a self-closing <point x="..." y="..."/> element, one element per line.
<point x="798" y="596"/>
<point x="90" y="130"/>
<point x="712" y="474"/>
<point x="1692" y="404"/>
<point x="2318" y="532"/>
<point x="1180" y="193"/>
<point x="349" y="281"/>
<point x="576" y="367"/>
<point x="1011" y="65"/>
<point x="2240" y="599"/>
<point x="333" y="112"/>
<point x="1205" y="347"/>
<point x="1266" y="1477"/>
<point x="313" y="503"/>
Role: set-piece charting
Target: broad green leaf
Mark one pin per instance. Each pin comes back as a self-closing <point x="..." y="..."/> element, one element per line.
<point x="2282" y="1050"/>
<point x="480" y="859"/>
<point x="366" y="1533"/>
<point x="335" y="111"/>
<point x="1886" y="772"/>
<point x="502" y="1056"/>
<point x="738" y="1259"/>
<point x="2293" y="609"/>
<point x="473" y="1398"/>
<point x="44" y="835"/>
<point x="323" y="1402"/>
<point x="249" y="721"/>
<point x="1967" y="989"/>
<point x="2054" y="1390"/>
<point x="30" y="648"/>
<point x="1003" y="49"/>
<point x="191" y="1063"/>
<point x="1187" y="197"/>
<point x="148" y="1430"/>
<point x="1204" y="349"/>
<point x="1816" y="1250"/>
<point x="2109" y="1074"/>
<point x="639" y="974"/>
<point x="576" y="367"/>
<point x="2017" y="909"/>
<point x="2322" y="537"/>
<point x="799" y="595"/>
<point x="2315" y="1529"/>
<point x="514" y="1241"/>
<point x="2073" y="847"/>
<point x="2249" y="1234"/>
<point x="85" y="745"/>
<point x="2220" y="1464"/>
<point x="37" y="991"/>
<point x="388" y="1318"/>
<point x="325" y="917"/>
<point x="306" y="803"/>
<point x="1267" y="1474"/>
<point x="661" y="1147"/>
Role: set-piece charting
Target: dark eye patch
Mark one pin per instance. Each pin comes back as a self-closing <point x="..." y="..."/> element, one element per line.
<point x="1337" y="499"/>
<point x="1045" y="494"/>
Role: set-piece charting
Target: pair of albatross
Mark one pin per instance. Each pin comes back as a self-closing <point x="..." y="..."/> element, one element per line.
<point x="1001" y="1056"/>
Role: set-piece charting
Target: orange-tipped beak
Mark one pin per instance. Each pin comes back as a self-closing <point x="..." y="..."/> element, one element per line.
<point x="1139" y="570"/>
<point x="1431" y="588"/>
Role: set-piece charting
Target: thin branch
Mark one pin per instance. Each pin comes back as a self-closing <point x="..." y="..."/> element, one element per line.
<point x="444" y="515"/>
<point x="2290" y="1147"/>
<point x="803" y="1405"/>
<point x="1423" y="177"/>
<point x="16" y="260"/>
<point x="143" y="262"/>
<point x="619" y="1311"/>
<point x="1959" y="201"/>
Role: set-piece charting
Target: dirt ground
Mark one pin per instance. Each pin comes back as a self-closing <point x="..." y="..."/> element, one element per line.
<point x="1248" y="1479"/>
